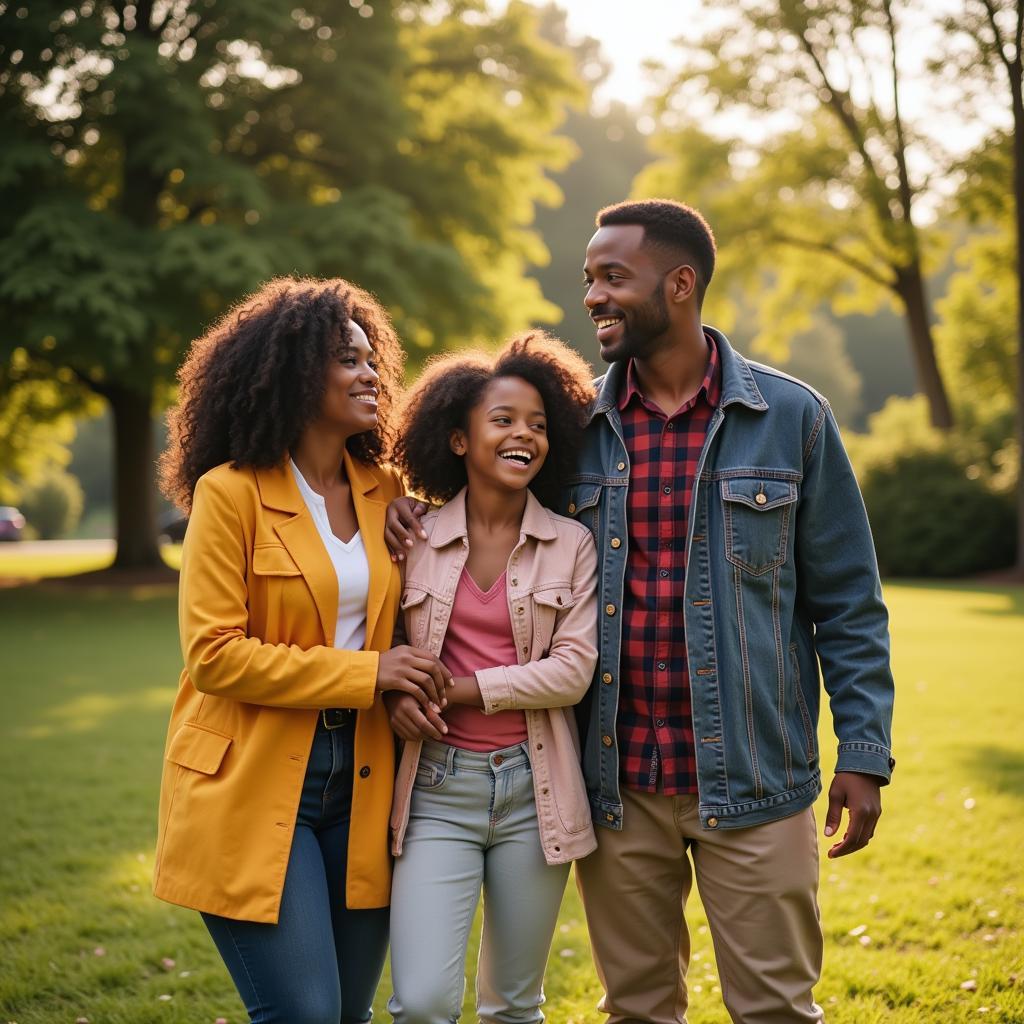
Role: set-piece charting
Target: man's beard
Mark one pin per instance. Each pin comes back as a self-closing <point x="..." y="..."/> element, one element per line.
<point x="642" y="330"/>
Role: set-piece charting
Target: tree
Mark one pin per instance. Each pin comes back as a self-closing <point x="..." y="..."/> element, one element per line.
<point x="826" y="194"/>
<point x="985" y="49"/>
<point x="162" y="158"/>
<point x="36" y="423"/>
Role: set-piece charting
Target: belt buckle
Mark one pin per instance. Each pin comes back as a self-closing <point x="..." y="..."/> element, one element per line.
<point x="335" y="718"/>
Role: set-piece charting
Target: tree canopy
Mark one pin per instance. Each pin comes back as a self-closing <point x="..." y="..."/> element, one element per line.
<point x="821" y="204"/>
<point x="162" y="158"/>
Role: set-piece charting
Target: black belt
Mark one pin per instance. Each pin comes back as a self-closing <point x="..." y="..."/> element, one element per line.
<point x="337" y="718"/>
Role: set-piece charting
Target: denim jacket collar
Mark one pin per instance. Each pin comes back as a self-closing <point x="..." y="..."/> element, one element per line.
<point x="738" y="383"/>
<point x="451" y="521"/>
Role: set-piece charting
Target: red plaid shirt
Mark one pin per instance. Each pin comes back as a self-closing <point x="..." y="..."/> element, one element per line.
<point x="654" y="726"/>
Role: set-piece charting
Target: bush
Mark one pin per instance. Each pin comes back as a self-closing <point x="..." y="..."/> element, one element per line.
<point x="932" y="515"/>
<point x="53" y="504"/>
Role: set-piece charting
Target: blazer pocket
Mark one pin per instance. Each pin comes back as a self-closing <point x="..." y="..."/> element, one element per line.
<point x="273" y="560"/>
<point x="198" y="748"/>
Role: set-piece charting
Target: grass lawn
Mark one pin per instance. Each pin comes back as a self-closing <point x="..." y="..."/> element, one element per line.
<point x="925" y="925"/>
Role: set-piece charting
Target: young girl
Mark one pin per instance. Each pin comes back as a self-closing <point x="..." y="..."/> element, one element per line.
<point x="491" y="794"/>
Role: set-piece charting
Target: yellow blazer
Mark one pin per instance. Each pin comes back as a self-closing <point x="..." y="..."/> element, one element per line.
<point x="257" y="609"/>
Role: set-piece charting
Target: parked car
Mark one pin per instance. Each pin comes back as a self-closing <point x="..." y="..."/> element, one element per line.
<point x="12" y="522"/>
<point x="172" y="525"/>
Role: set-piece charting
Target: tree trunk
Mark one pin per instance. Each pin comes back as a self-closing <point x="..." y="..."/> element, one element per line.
<point x="910" y="288"/>
<point x="134" y="506"/>
<point x="1017" y="94"/>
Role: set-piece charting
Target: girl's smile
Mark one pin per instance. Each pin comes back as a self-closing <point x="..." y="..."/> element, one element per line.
<point x="505" y="441"/>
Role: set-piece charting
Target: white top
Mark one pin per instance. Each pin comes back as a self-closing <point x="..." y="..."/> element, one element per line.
<point x="350" y="566"/>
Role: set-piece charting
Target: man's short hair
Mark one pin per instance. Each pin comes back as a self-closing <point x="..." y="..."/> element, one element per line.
<point x="675" y="229"/>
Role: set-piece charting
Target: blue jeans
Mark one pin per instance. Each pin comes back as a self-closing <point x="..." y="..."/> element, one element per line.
<point x="320" y="964"/>
<point x="473" y="824"/>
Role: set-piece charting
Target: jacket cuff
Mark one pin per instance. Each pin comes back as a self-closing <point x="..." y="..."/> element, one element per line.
<point x="867" y="758"/>
<point x="359" y="679"/>
<point x="495" y="689"/>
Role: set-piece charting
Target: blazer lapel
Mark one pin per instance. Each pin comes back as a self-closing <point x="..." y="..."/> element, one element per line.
<point x="370" y="513"/>
<point x="300" y="536"/>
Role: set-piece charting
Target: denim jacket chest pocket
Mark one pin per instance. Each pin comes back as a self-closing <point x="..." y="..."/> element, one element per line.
<point x="757" y="514"/>
<point x="547" y="602"/>
<point x="415" y="614"/>
<point x="583" y="506"/>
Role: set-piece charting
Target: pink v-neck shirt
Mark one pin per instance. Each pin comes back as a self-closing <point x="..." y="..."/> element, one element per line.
<point x="480" y="636"/>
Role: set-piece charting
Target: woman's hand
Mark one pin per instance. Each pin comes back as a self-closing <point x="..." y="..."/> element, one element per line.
<point x="410" y="720"/>
<point x="403" y="524"/>
<point x="416" y="672"/>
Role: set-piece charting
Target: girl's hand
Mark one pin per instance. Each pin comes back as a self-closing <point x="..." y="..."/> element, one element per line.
<point x="410" y="720"/>
<point x="402" y="525"/>
<point x="416" y="672"/>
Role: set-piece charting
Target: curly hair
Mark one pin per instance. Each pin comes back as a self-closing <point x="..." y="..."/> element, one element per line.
<point x="452" y="385"/>
<point x="256" y="380"/>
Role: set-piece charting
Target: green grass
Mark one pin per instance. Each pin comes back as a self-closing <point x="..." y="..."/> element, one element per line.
<point x="86" y="683"/>
<point x="17" y="564"/>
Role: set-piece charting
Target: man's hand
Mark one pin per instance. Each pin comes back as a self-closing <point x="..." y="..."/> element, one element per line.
<point x="402" y="525"/>
<point x="410" y="720"/>
<point x="862" y="795"/>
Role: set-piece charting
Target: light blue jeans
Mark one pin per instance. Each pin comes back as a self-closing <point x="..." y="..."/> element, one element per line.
<point x="472" y="825"/>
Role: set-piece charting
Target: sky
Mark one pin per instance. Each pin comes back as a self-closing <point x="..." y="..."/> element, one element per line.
<point x="633" y="31"/>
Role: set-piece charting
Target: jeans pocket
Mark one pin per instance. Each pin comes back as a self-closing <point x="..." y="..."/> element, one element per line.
<point x="430" y="774"/>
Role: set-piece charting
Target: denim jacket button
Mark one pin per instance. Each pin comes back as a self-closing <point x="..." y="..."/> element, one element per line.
<point x="572" y="507"/>
<point x="712" y="823"/>
<point x="621" y="466"/>
<point x="761" y="498"/>
<point x="606" y="740"/>
<point x="609" y="609"/>
<point x="606" y="678"/>
<point x="616" y="543"/>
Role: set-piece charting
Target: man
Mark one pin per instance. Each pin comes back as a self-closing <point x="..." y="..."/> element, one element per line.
<point x="735" y="556"/>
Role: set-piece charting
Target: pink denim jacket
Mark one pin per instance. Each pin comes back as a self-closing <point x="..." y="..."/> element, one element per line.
<point x="551" y="585"/>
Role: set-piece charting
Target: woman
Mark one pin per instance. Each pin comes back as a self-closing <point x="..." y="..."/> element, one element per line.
<point x="504" y="591"/>
<point x="279" y="763"/>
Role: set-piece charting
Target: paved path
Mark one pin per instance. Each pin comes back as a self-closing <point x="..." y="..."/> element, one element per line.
<point x="59" y="547"/>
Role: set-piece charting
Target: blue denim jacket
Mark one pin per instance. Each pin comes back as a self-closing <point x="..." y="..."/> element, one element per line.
<point x="781" y="576"/>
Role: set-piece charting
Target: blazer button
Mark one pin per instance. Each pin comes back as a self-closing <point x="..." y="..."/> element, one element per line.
<point x="616" y="543"/>
<point x="609" y="609"/>
<point x="606" y="678"/>
<point x="606" y="740"/>
<point x="364" y="772"/>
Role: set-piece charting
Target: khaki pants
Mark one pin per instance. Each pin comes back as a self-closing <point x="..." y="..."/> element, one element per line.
<point x="759" y="888"/>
